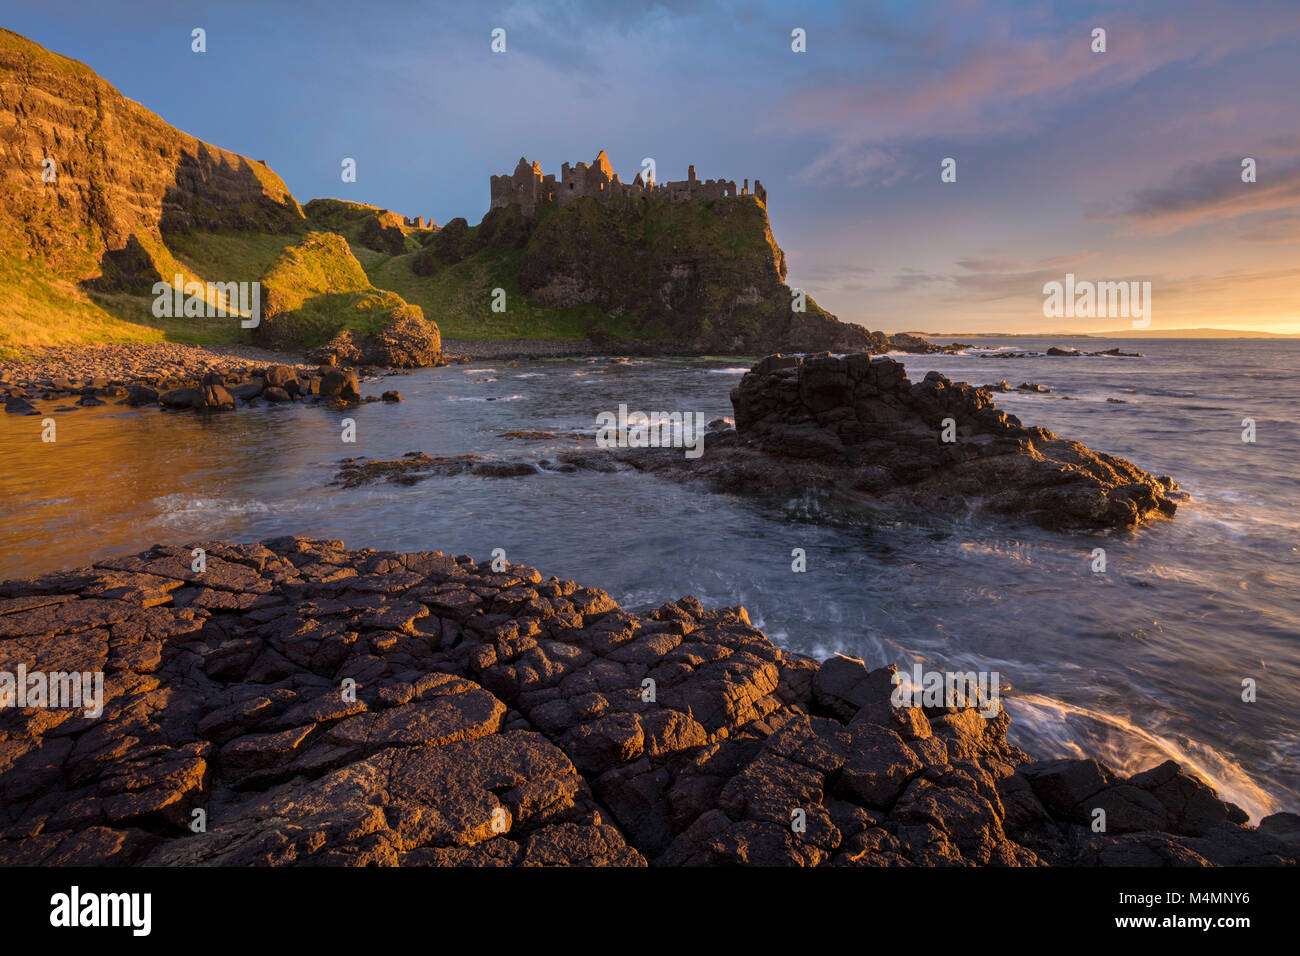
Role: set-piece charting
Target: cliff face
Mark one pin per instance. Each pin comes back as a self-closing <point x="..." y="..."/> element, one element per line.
<point x="123" y="177"/>
<point x="706" y="275"/>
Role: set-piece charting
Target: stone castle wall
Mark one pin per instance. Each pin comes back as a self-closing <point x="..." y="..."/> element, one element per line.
<point x="528" y="187"/>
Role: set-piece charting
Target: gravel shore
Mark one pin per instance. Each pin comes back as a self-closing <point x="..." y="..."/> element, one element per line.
<point x="123" y="363"/>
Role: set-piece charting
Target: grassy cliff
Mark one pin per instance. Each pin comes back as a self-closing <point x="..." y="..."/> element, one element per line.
<point x="97" y="188"/>
<point x="317" y="289"/>
<point x="705" y="275"/>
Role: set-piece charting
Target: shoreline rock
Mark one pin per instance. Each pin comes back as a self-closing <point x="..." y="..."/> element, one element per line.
<point x="173" y="377"/>
<point x="856" y="426"/>
<point x="496" y="718"/>
<point x="467" y="350"/>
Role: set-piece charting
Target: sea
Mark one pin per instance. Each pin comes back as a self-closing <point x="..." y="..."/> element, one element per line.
<point x="1186" y="646"/>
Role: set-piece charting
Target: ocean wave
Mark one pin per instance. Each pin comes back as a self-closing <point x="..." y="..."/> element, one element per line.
<point x="182" y="506"/>
<point x="1053" y="728"/>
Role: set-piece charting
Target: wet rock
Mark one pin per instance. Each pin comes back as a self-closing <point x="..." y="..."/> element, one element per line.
<point x="141" y="395"/>
<point x="282" y="377"/>
<point x="216" y="397"/>
<point x="182" y="398"/>
<point x="1193" y="806"/>
<point x="20" y="406"/>
<point x="340" y="384"/>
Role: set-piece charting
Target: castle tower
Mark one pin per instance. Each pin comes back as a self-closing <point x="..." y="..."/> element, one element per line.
<point x="529" y="187"/>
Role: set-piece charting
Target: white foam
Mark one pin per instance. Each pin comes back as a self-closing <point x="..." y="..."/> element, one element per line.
<point x="1116" y="741"/>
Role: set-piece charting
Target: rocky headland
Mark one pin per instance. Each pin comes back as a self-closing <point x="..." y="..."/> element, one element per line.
<point x="297" y="702"/>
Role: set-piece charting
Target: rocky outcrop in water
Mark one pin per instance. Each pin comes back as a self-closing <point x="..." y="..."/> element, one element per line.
<point x="295" y="702"/>
<point x="856" y="425"/>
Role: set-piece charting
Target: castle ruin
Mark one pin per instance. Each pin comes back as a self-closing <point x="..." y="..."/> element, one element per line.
<point x="529" y="188"/>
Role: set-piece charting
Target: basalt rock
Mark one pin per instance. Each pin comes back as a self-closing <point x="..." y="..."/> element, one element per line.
<point x="341" y="384"/>
<point x="409" y="341"/>
<point x="855" y="425"/>
<point x="331" y="706"/>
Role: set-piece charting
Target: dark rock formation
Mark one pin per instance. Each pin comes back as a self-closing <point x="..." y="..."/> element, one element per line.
<point x="408" y="342"/>
<point x="326" y="706"/>
<point x="857" y="426"/>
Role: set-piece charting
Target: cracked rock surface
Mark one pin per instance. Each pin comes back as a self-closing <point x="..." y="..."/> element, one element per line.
<point x="322" y="705"/>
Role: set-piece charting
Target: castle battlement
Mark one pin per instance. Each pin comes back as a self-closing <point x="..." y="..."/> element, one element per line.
<point x="529" y="188"/>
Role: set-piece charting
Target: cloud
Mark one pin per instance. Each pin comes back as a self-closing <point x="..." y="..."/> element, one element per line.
<point x="841" y="276"/>
<point x="1207" y="193"/>
<point x="1003" y="83"/>
<point x="1281" y="226"/>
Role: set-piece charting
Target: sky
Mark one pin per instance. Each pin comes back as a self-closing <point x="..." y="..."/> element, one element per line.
<point x="1115" y="166"/>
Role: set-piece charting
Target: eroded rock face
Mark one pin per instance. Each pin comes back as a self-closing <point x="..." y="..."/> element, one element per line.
<point x="409" y="341"/>
<point x="856" y="424"/>
<point x="322" y="705"/>
<point x="124" y="178"/>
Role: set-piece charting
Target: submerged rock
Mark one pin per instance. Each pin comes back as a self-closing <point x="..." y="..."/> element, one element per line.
<point x="330" y="706"/>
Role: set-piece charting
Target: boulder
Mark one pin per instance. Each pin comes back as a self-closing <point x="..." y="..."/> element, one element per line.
<point x="182" y="398"/>
<point x="340" y="384"/>
<point x="141" y="395"/>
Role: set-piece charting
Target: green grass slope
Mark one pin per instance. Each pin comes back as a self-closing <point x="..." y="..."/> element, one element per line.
<point x="316" y="289"/>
